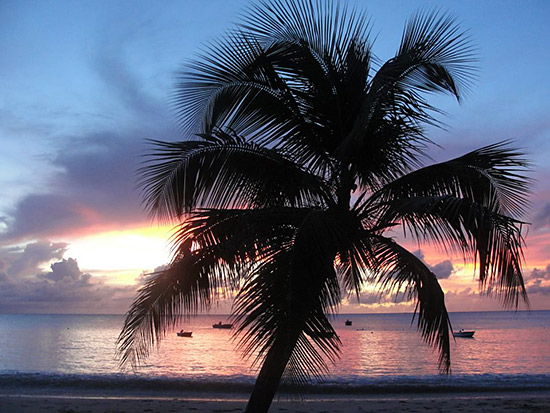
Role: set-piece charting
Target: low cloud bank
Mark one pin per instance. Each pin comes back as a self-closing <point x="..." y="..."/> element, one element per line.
<point x="26" y="288"/>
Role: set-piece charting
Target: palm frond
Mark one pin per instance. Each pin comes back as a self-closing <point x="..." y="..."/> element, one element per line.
<point x="326" y="27"/>
<point x="225" y="173"/>
<point x="492" y="176"/>
<point x="213" y="250"/>
<point x="257" y="92"/>
<point x="434" y="57"/>
<point x="167" y="296"/>
<point x="493" y="240"/>
<point x="398" y="270"/>
<point x="467" y="205"/>
<point x="319" y="342"/>
<point x="353" y="265"/>
<point x="329" y="79"/>
<point x="441" y="54"/>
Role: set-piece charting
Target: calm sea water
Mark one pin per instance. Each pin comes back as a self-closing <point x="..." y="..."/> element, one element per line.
<point x="381" y="353"/>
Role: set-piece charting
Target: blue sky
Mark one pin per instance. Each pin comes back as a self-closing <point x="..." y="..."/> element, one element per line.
<point x="84" y="83"/>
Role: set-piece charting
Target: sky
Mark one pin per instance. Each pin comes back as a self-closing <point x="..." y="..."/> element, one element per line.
<point x="85" y="83"/>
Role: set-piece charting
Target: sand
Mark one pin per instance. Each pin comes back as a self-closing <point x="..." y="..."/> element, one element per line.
<point x="515" y="402"/>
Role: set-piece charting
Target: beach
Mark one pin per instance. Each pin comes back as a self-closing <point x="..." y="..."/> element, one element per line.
<point x="514" y="402"/>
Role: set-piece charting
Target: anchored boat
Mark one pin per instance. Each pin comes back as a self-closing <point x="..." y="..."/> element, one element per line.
<point x="223" y="326"/>
<point x="464" y="333"/>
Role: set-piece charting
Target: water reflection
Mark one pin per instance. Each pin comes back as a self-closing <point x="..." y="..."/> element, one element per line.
<point x="379" y="352"/>
<point x="503" y="351"/>
<point x="209" y="351"/>
<point x="375" y="346"/>
<point x="504" y="343"/>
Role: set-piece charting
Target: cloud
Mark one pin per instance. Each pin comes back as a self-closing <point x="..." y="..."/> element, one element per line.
<point x="94" y="187"/>
<point x="537" y="274"/>
<point x="88" y="175"/>
<point x="126" y="88"/>
<point x="42" y="215"/>
<point x="537" y="287"/>
<point x="469" y="299"/>
<point x="442" y="270"/>
<point x="66" y="271"/>
<point x="26" y="288"/>
<point x="27" y="262"/>
<point x="42" y="296"/>
<point x="374" y="297"/>
<point x="370" y="297"/>
<point x="538" y="282"/>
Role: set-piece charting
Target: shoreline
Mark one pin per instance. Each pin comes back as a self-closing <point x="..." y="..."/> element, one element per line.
<point x="436" y="402"/>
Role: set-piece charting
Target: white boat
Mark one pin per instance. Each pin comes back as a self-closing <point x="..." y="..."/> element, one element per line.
<point x="464" y="333"/>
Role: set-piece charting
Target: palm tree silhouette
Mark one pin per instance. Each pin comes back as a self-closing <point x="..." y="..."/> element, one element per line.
<point x="304" y="160"/>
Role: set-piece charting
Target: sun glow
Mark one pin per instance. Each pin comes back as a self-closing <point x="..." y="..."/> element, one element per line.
<point x="127" y="252"/>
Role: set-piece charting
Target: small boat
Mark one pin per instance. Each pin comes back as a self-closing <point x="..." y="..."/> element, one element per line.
<point x="184" y="333"/>
<point x="464" y="333"/>
<point x="224" y="326"/>
<point x="348" y="322"/>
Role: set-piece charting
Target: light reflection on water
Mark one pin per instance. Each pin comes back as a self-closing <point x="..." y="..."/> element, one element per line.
<point x="374" y="346"/>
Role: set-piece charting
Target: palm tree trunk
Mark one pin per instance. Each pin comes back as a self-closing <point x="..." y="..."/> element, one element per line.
<point x="270" y="374"/>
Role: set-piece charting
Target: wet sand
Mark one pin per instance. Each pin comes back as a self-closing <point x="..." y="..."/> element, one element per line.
<point x="514" y="402"/>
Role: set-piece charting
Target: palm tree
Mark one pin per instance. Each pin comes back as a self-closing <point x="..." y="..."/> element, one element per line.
<point x="303" y="161"/>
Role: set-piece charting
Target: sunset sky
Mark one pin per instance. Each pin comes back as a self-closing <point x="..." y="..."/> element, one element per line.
<point x="84" y="83"/>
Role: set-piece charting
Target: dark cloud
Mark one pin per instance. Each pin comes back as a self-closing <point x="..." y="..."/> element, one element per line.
<point x="43" y="215"/>
<point x="4" y="278"/>
<point x="538" y="281"/>
<point x="442" y="270"/>
<point x="100" y="172"/>
<point x="65" y="288"/>
<point x="370" y="297"/>
<point x="95" y="186"/>
<point x="66" y="271"/>
<point x="537" y="287"/>
<point x="42" y="296"/>
<point x="418" y="254"/>
<point x="466" y="292"/>
<point x="537" y="274"/>
<point x="93" y="183"/>
<point x="126" y="88"/>
<point x="28" y="261"/>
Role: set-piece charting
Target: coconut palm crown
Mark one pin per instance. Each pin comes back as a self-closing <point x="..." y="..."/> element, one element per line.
<point x="304" y="158"/>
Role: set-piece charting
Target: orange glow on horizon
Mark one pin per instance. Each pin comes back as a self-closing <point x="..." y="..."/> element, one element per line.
<point x="123" y="254"/>
<point x="119" y="257"/>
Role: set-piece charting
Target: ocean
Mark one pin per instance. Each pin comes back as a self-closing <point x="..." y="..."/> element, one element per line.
<point x="381" y="354"/>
